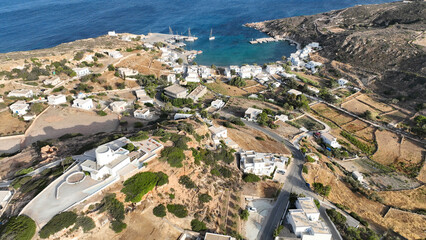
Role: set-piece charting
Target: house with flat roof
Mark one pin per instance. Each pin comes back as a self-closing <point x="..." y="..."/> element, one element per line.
<point x="171" y="78"/>
<point x="261" y="163"/>
<point x="115" y="54"/>
<point x="218" y="132"/>
<point x="52" y="81"/>
<point x="142" y="114"/>
<point x="142" y="97"/>
<point x="19" y="107"/>
<point x="178" y="116"/>
<point x="252" y="113"/>
<point x="197" y="93"/>
<point x="85" y="104"/>
<point x="342" y="82"/>
<point x="313" y="89"/>
<point x="215" y="236"/>
<point x="330" y="140"/>
<point x="112" y="33"/>
<point x="175" y="91"/>
<point x="81" y="71"/>
<point x="127" y="72"/>
<point x="305" y="221"/>
<point x="312" y="65"/>
<point x="21" y="93"/>
<point x="357" y="176"/>
<point x="118" y="106"/>
<point x="56" y="99"/>
<point x="273" y="69"/>
<point x="5" y="195"/>
<point x="294" y="92"/>
<point x="282" y="118"/>
<point x="218" y="103"/>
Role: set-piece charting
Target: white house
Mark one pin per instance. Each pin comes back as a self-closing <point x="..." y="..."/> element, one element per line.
<point x="81" y="71"/>
<point x="179" y="69"/>
<point x="175" y="91"/>
<point x="85" y="104"/>
<point x="197" y="93"/>
<point x="204" y="71"/>
<point x="52" y="81"/>
<point x="252" y="113"/>
<point x="342" y="82"/>
<point x="294" y="92"/>
<point x="357" y="176"/>
<point x="127" y="72"/>
<point x="21" y="93"/>
<point x="218" y="132"/>
<point x="246" y="72"/>
<point x="305" y="221"/>
<point x="143" y="97"/>
<point x="28" y="117"/>
<point x="19" y="107"/>
<point x="262" y="163"/>
<point x="115" y="54"/>
<point x="142" y="114"/>
<point x="288" y="75"/>
<point x="330" y="140"/>
<point x="314" y="45"/>
<point x="192" y="77"/>
<point x="282" y="118"/>
<point x="273" y="69"/>
<point x="312" y="65"/>
<point x="112" y="33"/>
<point x="276" y="84"/>
<point x="313" y="89"/>
<point x="56" y="99"/>
<point x="5" y="195"/>
<point x="215" y="236"/>
<point x="181" y="116"/>
<point x="171" y="78"/>
<point x="118" y="106"/>
<point x="234" y="68"/>
<point x="218" y="104"/>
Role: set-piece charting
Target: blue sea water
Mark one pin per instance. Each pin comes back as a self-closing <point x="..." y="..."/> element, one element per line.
<point x="35" y="24"/>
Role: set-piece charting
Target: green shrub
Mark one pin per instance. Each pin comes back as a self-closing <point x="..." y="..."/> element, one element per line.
<point x="317" y="203"/>
<point x="140" y="184"/>
<point x="205" y="197"/>
<point x="305" y="169"/>
<point x="260" y="138"/>
<point x="21" y="228"/>
<point x="57" y="223"/>
<point x="118" y="226"/>
<point x="24" y="171"/>
<point x="159" y="211"/>
<point x="129" y="147"/>
<point x="178" y="210"/>
<point x="85" y="222"/>
<point x="101" y="113"/>
<point x="114" y="207"/>
<point x="198" y="226"/>
<point x="244" y="214"/>
<point x="250" y="177"/>
<point x="139" y="136"/>
<point x="18" y="182"/>
<point x="187" y="182"/>
<point x="174" y="156"/>
<point x="321" y="189"/>
<point x="365" y="148"/>
<point x="310" y="159"/>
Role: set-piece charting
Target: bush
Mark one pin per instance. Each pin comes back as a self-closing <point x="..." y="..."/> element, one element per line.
<point x="140" y="184"/>
<point x="138" y="125"/>
<point x="118" y="226"/>
<point x="69" y="135"/>
<point x="205" y="197"/>
<point x="139" y="136"/>
<point x="101" y="113"/>
<point x="187" y="182"/>
<point x="310" y="159"/>
<point x="159" y="211"/>
<point x="198" y="226"/>
<point x="317" y="203"/>
<point x="321" y="189"/>
<point x="305" y="169"/>
<point x="24" y="171"/>
<point x="57" y="223"/>
<point x="178" y="210"/>
<point x="244" y="214"/>
<point x="250" y="177"/>
<point x="21" y="227"/>
<point x="365" y="148"/>
<point x="111" y="68"/>
<point x="114" y="207"/>
<point x="238" y="82"/>
<point x="85" y="222"/>
<point x="174" y="156"/>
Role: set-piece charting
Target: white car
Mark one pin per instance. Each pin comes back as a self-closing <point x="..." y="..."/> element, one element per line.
<point x="251" y="209"/>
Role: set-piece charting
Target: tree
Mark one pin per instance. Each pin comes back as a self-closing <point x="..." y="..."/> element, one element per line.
<point x="118" y="226"/>
<point x="238" y="82"/>
<point x="21" y="227"/>
<point x="85" y="222"/>
<point x="111" y="68"/>
<point x="187" y="182"/>
<point x="205" y="197"/>
<point x="178" y="210"/>
<point x="159" y="211"/>
<point x="244" y="214"/>
<point x="57" y="223"/>
<point x="197" y="225"/>
<point x="250" y="177"/>
<point x="140" y="184"/>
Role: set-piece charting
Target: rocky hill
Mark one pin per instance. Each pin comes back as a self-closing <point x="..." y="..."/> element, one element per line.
<point x="384" y="43"/>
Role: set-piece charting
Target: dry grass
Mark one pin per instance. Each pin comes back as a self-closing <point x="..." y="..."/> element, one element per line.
<point x="332" y="114"/>
<point x="406" y="199"/>
<point x="377" y="105"/>
<point x="11" y="125"/>
<point x="358" y="107"/>
<point x="225" y="89"/>
<point x="409" y="225"/>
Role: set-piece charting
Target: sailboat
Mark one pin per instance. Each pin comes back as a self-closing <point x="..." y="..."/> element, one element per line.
<point x="211" y="35"/>
<point x="189" y="38"/>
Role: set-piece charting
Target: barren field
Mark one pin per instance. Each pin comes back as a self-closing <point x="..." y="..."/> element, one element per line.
<point x="220" y="87"/>
<point x="367" y="209"/>
<point x="11" y="125"/>
<point x="145" y="64"/>
<point x="406" y="199"/>
<point x="286" y="130"/>
<point x="358" y="107"/>
<point x="245" y="138"/>
<point x="354" y="126"/>
<point x="239" y="105"/>
<point x="403" y="154"/>
<point x="375" y="104"/>
<point x="332" y="114"/>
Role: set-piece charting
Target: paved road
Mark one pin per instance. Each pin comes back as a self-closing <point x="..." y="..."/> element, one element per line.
<point x="293" y="183"/>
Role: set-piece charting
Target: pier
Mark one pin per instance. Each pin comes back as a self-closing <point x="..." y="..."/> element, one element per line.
<point x="266" y="40"/>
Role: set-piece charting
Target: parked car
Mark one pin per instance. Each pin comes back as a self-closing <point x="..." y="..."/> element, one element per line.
<point x="251" y="209"/>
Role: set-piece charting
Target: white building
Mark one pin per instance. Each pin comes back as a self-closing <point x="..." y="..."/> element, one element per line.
<point x="175" y="91"/>
<point x="276" y="84"/>
<point x="204" y="72"/>
<point x="171" y="78"/>
<point x="192" y="77"/>
<point x="282" y="118"/>
<point x="52" y="81"/>
<point x="21" y="93"/>
<point x="142" y="97"/>
<point x="181" y="116"/>
<point x="215" y="236"/>
<point x="28" y="117"/>
<point x="142" y="114"/>
<point x="118" y="106"/>
<point x="197" y="93"/>
<point x="218" y="104"/>
<point x="262" y="163"/>
<point x="127" y="72"/>
<point x="288" y="75"/>
<point x="112" y="33"/>
<point x="115" y="54"/>
<point x="19" y="107"/>
<point x="218" y="132"/>
<point x="56" y="99"/>
<point x="330" y="140"/>
<point x="294" y="92"/>
<point x="235" y="69"/>
<point x="81" y="71"/>
<point x="313" y="89"/>
<point x="5" y="195"/>
<point x="252" y="113"/>
<point x="85" y="104"/>
<point x="312" y="65"/>
<point x="357" y="176"/>
<point x="314" y="45"/>
<point x="179" y="69"/>
<point x="342" y="82"/>
<point x="273" y="69"/>
<point x="305" y="221"/>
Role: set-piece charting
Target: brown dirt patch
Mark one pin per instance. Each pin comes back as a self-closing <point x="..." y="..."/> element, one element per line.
<point x="11" y="125"/>
<point x="358" y="107"/>
<point x="406" y="199"/>
<point x="378" y="105"/>
<point x="286" y="130"/>
<point x="409" y="225"/>
<point x="332" y="114"/>
<point x="245" y="138"/>
<point x="355" y="126"/>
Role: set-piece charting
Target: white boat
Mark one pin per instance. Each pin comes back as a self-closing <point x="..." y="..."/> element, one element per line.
<point x="211" y="35"/>
<point x="190" y="38"/>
